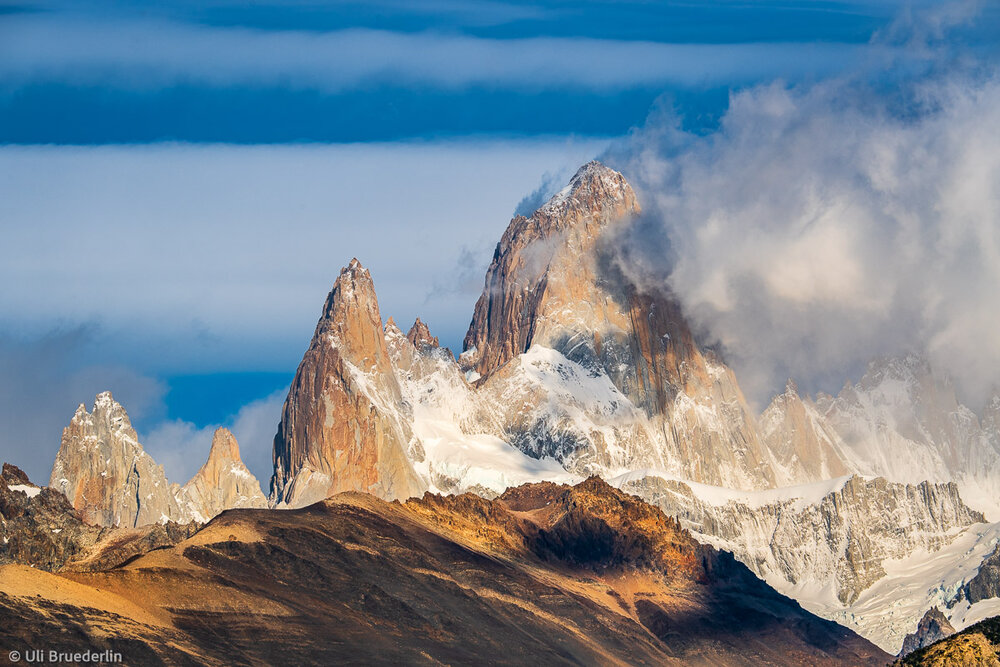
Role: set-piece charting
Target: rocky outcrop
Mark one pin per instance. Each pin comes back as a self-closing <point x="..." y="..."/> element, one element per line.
<point x="986" y="584"/>
<point x="38" y="526"/>
<point x="341" y="426"/>
<point x="103" y="470"/>
<point x="975" y="646"/>
<point x="421" y="336"/>
<point x="222" y="483"/>
<point x="118" y="546"/>
<point x="838" y="532"/>
<point x="933" y="627"/>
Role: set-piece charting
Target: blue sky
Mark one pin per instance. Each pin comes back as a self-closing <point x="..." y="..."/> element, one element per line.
<point x="181" y="183"/>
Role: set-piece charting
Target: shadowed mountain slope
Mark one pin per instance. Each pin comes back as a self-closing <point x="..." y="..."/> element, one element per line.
<point x="546" y="574"/>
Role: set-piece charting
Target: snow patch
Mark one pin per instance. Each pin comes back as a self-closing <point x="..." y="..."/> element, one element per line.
<point x="30" y="491"/>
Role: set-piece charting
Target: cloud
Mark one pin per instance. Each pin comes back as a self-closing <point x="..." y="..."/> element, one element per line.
<point x="181" y="447"/>
<point x="824" y="225"/>
<point x="43" y="380"/>
<point x="210" y="257"/>
<point x="152" y="54"/>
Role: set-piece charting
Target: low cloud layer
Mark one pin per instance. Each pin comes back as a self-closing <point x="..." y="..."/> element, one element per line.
<point x="822" y="226"/>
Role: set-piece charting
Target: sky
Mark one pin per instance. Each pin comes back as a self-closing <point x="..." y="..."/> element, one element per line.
<point x="180" y="185"/>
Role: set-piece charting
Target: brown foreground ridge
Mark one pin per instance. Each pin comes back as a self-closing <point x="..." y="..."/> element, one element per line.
<point x="976" y="646"/>
<point x="545" y="574"/>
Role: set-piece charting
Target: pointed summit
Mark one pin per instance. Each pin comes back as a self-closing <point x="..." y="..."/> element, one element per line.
<point x="546" y="264"/>
<point x="223" y="482"/>
<point x="421" y="336"/>
<point x="103" y="470"/>
<point x="224" y="447"/>
<point x="592" y="188"/>
<point x="335" y="433"/>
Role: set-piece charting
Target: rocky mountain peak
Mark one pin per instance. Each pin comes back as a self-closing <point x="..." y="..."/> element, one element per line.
<point x="111" y="481"/>
<point x="222" y="483"/>
<point x="544" y="264"/>
<point x="338" y="431"/>
<point x="14" y="476"/>
<point x="421" y="336"/>
<point x="103" y="470"/>
<point x="593" y="188"/>
<point x="933" y="627"/>
<point x="351" y="320"/>
<point x="222" y="457"/>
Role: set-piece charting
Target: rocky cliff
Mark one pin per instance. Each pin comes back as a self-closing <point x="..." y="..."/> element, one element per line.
<point x="553" y="286"/>
<point x="901" y="421"/>
<point x="835" y="534"/>
<point x="111" y="481"/>
<point x="40" y="529"/>
<point x="222" y="483"/>
<point x="986" y="584"/>
<point x="341" y="428"/>
<point x="103" y="470"/>
<point x="933" y="627"/>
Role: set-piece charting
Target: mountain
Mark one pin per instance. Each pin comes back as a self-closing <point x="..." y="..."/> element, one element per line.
<point x="106" y="474"/>
<point x="976" y="646"/>
<point x="901" y="421"/>
<point x="831" y="536"/>
<point x="41" y="530"/>
<point x="554" y="286"/>
<point x="223" y="482"/>
<point x="933" y="627"/>
<point x="554" y="574"/>
<point x="340" y="426"/>
<point x="111" y="481"/>
<point x="570" y="370"/>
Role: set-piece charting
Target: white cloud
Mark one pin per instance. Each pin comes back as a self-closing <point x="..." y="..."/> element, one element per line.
<point x="181" y="447"/>
<point x="216" y="257"/>
<point x="146" y="54"/>
<point x="821" y="226"/>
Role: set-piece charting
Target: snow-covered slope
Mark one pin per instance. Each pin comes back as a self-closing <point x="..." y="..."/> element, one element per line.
<point x="867" y="553"/>
<point x="903" y="422"/>
<point x="571" y="370"/>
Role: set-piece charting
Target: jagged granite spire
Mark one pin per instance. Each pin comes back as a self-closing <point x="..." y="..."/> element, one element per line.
<point x="106" y="474"/>
<point x="335" y="432"/>
<point x="223" y="482"/>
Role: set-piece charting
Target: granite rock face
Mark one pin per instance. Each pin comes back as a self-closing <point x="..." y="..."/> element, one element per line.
<point x="341" y="428"/>
<point x="111" y="481"/>
<point x="39" y="528"/>
<point x="986" y="584"/>
<point x="933" y="627"/>
<point x="840" y="536"/>
<point x="554" y="286"/>
<point x="222" y="483"/>
<point x="108" y="478"/>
